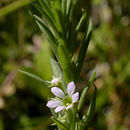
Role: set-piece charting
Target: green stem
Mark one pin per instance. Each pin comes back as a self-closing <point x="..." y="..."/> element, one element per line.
<point x="13" y="6"/>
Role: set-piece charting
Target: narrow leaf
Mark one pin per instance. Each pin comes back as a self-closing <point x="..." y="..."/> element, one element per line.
<point x="85" y="91"/>
<point x="57" y="16"/>
<point x="64" y="60"/>
<point x="64" y="21"/>
<point x="77" y="30"/>
<point x="57" y="4"/>
<point x="84" y="47"/>
<point x="81" y="22"/>
<point x="55" y="67"/>
<point x="13" y="6"/>
<point x="57" y="71"/>
<point x="64" y="6"/>
<point x="69" y="19"/>
<point x="60" y="124"/>
<point x="50" y="22"/>
<point x="88" y="117"/>
<point x="69" y="6"/>
<point x="47" y="32"/>
<point x="34" y="77"/>
<point x="53" y="112"/>
<point x="46" y="8"/>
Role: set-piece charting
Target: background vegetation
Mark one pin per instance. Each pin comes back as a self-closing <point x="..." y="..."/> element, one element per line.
<point x="22" y="46"/>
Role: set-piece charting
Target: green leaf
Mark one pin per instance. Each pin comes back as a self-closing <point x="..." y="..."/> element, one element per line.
<point x="47" y="32"/>
<point x="53" y="112"/>
<point x="50" y="22"/>
<point x="34" y="77"/>
<point x="13" y="6"/>
<point x="71" y="118"/>
<point x="46" y="8"/>
<point x="81" y="22"/>
<point x="57" y="71"/>
<point x="60" y="124"/>
<point x="84" y="47"/>
<point x="77" y="30"/>
<point x="64" y="61"/>
<point x="88" y="117"/>
<point x="69" y="6"/>
<point x="58" y="18"/>
<point x="85" y="91"/>
<point x="55" y="67"/>
<point x="57" y="15"/>
<point x="64" y="21"/>
<point x="64" y="6"/>
<point x="57" y="4"/>
<point x="47" y="3"/>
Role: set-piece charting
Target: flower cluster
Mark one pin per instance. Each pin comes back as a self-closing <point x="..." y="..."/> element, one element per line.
<point x="63" y="101"/>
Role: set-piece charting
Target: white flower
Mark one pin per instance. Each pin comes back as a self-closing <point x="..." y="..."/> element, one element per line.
<point x="63" y="101"/>
<point x="55" y="81"/>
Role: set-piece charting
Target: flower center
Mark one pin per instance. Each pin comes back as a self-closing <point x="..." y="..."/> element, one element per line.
<point x="67" y="101"/>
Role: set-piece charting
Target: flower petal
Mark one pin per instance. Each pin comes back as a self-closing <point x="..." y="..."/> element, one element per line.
<point x="59" y="108"/>
<point x="57" y="92"/>
<point x="70" y="88"/>
<point x="75" y="97"/>
<point x="69" y="107"/>
<point x="53" y="103"/>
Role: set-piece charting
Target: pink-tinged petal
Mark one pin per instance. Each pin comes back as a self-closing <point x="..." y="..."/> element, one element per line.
<point x="53" y="103"/>
<point x="58" y="92"/>
<point x="59" y="108"/>
<point x="69" y="107"/>
<point x="70" y="88"/>
<point x="75" y="97"/>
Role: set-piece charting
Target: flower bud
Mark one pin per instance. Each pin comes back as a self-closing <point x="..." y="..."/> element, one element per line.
<point x="55" y="81"/>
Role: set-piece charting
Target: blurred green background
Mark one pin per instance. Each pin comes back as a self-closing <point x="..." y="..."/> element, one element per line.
<point x="22" y="46"/>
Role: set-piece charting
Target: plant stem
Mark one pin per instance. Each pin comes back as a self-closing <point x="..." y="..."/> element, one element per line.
<point x="13" y="6"/>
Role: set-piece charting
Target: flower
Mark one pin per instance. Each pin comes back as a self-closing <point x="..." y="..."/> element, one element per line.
<point x="55" y="81"/>
<point x="63" y="101"/>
